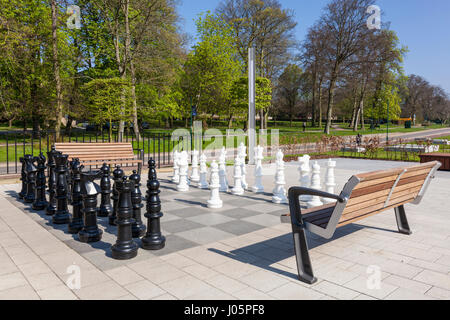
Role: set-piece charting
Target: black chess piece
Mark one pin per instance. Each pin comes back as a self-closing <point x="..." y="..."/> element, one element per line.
<point x="117" y="175"/>
<point x="138" y="228"/>
<point x="125" y="248"/>
<point x="40" y="202"/>
<point x="153" y="239"/>
<point x="90" y="190"/>
<point x="51" y="169"/>
<point x="23" y="178"/>
<point x="76" y="223"/>
<point x="31" y="171"/>
<point x="105" y="186"/>
<point x="62" y="215"/>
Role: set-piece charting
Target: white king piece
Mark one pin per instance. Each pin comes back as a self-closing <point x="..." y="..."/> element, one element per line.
<point x="330" y="181"/>
<point x="223" y="181"/>
<point x="279" y="192"/>
<point x="214" y="202"/>
<point x="258" y="187"/>
<point x="194" y="175"/>
<point x="176" y="168"/>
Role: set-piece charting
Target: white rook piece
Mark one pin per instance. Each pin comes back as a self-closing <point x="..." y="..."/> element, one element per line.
<point x="258" y="187"/>
<point x="223" y="181"/>
<point x="176" y="168"/>
<point x="304" y="171"/>
<point x="330" y="181"/>
<point x="237" y="189"/>
<point x="194" y="175"/>
<point x="242" y="153"/>
<point x="183" y="185"/>
<point x="315" y="184"/>
<point x="214" y="202"/>
<point x="203" y="184"/>
<point x="279" y="192"/>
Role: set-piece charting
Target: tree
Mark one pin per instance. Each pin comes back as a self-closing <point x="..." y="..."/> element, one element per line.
<point x="289" y="90"/>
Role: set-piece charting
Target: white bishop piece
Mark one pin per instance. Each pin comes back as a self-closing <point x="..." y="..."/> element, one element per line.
<point x="279" y="192"/>
<point x="183" y="185"/>
<point x="203" y="184"/>
<point x="176" y="168"/>
<point x="237" y="189"/>
<point x="223" y="181"/>
<point x="315" y="184"/>
<point x="194" y="175"/>
<point x="258" y="187"/>
<point x="214" y="202"/>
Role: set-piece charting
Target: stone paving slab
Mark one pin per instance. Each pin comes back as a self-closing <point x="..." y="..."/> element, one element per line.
<point x="238" y="252"/>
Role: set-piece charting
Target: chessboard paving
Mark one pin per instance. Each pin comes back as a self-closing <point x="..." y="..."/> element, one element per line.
<point x="187" y="222"/>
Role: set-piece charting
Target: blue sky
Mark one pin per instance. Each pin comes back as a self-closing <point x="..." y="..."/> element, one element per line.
<point x="423" y="26"/>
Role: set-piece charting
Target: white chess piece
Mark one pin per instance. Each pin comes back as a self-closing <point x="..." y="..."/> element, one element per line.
<point x="176" y="168"/>
<point x="214" y="202"/>
<point x="183" y="185"/>
<point x="223" y="171"/>
<point x="304" y="171"/>
<point x="279" y="192"/>
<point x="330" y="181"/>
<point x="242" y="154"/>
<point x="203" y="184"/>
<point x="258" y="187"/>
<point x="315" y="184"/>
<point x="237" y="189"/>
<point x="194" y="175"/>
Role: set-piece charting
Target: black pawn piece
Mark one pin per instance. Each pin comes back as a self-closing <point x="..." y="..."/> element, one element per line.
<point x="105" y="186"/>
<point x="31" y="171"/>
<point x="40" y="203"/>
<point x="153" y="239"/>
<point x="90" y="190"/>
<point x="138" y="228"/>
<point x="51" y="166"/>
<point x="76" y="223"/>
<point x="23" y="178"/>
<point x="117" y="175"/>
<point x="62" y="215"/>
<point x="125" y="248"/>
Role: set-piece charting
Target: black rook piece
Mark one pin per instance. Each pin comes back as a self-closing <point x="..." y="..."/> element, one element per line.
<point x="40" y="203"/>
<point x="62" y="215"/>
<point x="76" y="223"/>
<point x="117" y="175"/>
<point x="51" y="208"/>
<point x="105" y="185"/>
<point x="125" y="248"/>
<point x="153" y="239"/>
<point x="23" y="178"/>
<point x="138" y="228"/>
<point x="30" y="170"/>
<point x="90" y="190"/>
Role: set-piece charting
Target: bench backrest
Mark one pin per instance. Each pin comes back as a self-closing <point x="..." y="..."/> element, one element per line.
<point x="375" y="192"/>
<point x="97" y="151"/>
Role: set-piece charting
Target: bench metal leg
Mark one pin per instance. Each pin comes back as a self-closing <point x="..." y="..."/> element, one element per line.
<point x="305" y="271"/>
<point x="402" y="222"/>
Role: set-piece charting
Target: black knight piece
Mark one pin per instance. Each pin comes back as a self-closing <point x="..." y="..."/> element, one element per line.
<point x="153" y="239"/>
<point x="117" y="175"/>
<point x="23" y="178"/>
<point x="125" y="248"/>
<point x="62" y="215"/>
<point x="51" y="208"/>
<point x="105" y="186"/>
<point x="90" y="190"/>
<point x="40" y="202"/>
<point x="76" y="223"/>
<point x="138" y="228"/>
<point x="30" y="171"/>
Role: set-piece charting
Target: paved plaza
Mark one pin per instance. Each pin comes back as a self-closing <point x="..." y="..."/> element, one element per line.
<point x="240" y="251"/>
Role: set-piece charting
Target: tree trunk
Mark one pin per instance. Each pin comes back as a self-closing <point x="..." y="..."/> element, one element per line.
<point x="320" y="104"/>
<point x="330" y="104"/>
<point x="59" y="112"/>
<point x="230" y="121"/>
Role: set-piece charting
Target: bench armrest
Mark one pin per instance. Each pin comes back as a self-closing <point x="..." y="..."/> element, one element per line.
<point x="140" y="157"/>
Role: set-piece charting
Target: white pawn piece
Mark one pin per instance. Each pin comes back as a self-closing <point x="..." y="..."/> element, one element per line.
<point x="242" y="153"/>
<point x="223" y="171"/>
<point x="237" y="189"/>
<point x="330" y="181"/>
<point x="279" y="192"/>
<point x="183" y="185"/>
<point x="194" y="174"/>
<point x="176" y="168"/>
<point x="304" y="171"/>
<point x="214" y="202"/>
<point x="315" y="184"/>
<point x="258" y="187"/>
<point x="203" y="184"/>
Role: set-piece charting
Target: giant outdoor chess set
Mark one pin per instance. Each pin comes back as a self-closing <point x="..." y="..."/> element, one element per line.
<point x="198" y="207"/>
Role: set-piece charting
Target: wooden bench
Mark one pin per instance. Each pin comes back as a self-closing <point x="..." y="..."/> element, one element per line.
<point x="443" y="158"/>
<point x="95" y="154"/>
<point x="363" y="196"/>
